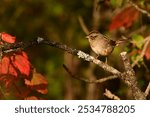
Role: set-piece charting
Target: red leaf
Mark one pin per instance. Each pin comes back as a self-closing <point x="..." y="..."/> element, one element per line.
<point x="20" y="61"/>
<point x="17" y="61"/>
<point x="38" y="83"/>
<point x="4" y="65"/>
<point x="12" y="63"/>
<point x="147" y="53"/>
<point x="124" y="18"/>
<point x="12" y="70"/>
<point x="8" y="38"/>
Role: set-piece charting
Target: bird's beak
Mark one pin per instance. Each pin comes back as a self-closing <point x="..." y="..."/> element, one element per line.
<point x="87" y="37"/>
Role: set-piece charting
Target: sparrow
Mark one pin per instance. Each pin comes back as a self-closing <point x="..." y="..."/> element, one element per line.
<point x="100" y="44"/>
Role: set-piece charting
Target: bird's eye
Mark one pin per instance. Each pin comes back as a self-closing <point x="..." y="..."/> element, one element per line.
<point x="93" y="37"/>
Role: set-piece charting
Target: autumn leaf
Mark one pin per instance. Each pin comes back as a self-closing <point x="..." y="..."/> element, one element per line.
<point x="38" y="83"/>
<point x="20" y="61"/>
<point x="10" y="65"/>
<point x="125" y="18"/>
<point x="6" y="67"/>
<point x="7" y="38"/>
<point x="15" y="63"/>
<point x="147" y="53"/>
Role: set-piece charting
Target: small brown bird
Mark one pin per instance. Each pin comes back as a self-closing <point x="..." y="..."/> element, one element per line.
<point x="100" y="44"/>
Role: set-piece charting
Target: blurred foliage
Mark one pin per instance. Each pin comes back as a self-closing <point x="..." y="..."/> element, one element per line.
<point x="116" y="3"/>
<point x="58" y="20"/>
<point x="51" y="19"/>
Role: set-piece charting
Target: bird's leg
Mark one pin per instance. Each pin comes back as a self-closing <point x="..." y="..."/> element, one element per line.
<point x="97" y="56"/>
<point x="106" y="60"/>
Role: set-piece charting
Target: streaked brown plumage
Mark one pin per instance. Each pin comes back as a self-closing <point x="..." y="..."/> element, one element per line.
<point x="100" y="44"/>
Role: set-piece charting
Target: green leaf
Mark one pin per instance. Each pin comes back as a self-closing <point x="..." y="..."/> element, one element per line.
<point x="134" y="57"/>
<point x="138" y="40"/>
<point x="116" y="3"/>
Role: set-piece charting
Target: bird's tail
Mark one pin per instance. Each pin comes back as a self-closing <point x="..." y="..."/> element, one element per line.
<point x="120" y="41"/>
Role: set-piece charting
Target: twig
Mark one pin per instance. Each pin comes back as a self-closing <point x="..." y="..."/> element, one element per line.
<point x="87" y="80"/>
<point x="101" y="64"/>
<point x="143" y="51"/>
<point x="139" y="9"/>
<point x="84" y="27"/>
<point x="96" y="14"/>
<point x="106" y="79"/>
<point x="147" y="89"/>
<point x="111" y="95"/>
<point x="40" y="41"/>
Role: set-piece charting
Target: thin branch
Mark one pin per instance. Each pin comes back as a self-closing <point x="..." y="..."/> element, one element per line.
<point x="106" y="79"/>
<point x="96" y="14"/>
<point x="139" y="9"/>
<point x="111" y="95"/>
<point x="83" y="26"/>
<point x="147" y="89"/>
<point x="101" y="64"/>
<point x="143" y="51"/>
<point x="40" y="41"/>
<point x="87" y="80"/>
